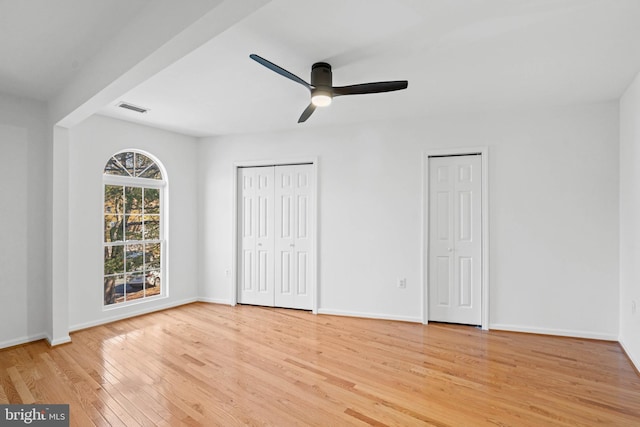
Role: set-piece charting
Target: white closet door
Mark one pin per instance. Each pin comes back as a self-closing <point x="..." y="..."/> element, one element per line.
<point x="455" y="239"/>
<point x="256" y="235"/>
<point x="293" y="236"/>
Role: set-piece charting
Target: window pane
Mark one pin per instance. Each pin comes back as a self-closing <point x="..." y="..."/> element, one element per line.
<point x="135" y="286"/>
<point x="133" y="227"/>
<point x="113" y="167"/>
<point x="113" y="259"/>
<point x="135" y="258"/>
<point x="152" y="256"/>
<point x="142" y="163"/>
<point x="113" y="228"/>
<point x="127" y="161"/>
<point x="152" y="227"/>
<point x="113" y="201"/>
<point x="153" y="172"/>
<point x="113" y="289"/>
<point x="133" y="200"/>
<point x="151" y="201"/>
<point x="153" y="283"/>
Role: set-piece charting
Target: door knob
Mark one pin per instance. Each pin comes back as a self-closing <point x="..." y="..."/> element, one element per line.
<point x="291" y="244"/>
<point x="259" y="244"/>
<point x="450" y="249"/>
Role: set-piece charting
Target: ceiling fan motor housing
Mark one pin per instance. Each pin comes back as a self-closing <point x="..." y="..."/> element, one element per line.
<point x="321" y="75"/>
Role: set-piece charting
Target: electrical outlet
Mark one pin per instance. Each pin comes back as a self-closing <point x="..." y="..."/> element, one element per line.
<point x="402" y="283"/>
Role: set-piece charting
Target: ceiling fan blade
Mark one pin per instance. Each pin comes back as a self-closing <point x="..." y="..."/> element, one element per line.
<point x="273" y="67"/>
<point x="306" y="113"/>
<point x="376" y="87"/>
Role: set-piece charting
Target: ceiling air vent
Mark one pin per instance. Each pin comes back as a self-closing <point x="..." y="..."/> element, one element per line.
<point x="132" y="107"/>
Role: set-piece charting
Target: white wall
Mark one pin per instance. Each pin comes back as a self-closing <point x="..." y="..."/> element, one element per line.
<point x="23" y="213"/>
<point x="630" y="221"/>
<point x="91" y="145"/>
<point x="553" y="213"/>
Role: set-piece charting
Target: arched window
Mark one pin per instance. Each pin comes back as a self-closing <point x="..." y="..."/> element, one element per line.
<point x="134" y="244"/>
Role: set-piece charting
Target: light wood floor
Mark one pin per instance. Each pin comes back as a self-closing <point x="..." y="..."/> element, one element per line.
<point x="207" y="364"/>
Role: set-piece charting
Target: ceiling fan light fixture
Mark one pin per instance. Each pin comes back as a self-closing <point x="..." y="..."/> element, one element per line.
<point x="321" y="98"/>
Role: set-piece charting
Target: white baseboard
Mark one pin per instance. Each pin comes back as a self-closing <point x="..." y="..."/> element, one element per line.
<point x="129" y="314"/>
<point x="22" y="340"/>
<point x="557" y="332"/>
<point x="369" y="315"/>
<point x="631" y="357"/>
<point x="215" y="301"/>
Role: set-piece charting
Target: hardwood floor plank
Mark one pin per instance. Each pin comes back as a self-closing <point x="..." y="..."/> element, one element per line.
<point x="206" y="365"/>
<point x="3" y="395"/>
<point x="21" y="387"/>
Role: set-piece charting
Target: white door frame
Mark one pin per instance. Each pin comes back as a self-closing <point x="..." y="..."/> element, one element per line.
<point x="484" y="153"/>
<point x="314" y="222"/>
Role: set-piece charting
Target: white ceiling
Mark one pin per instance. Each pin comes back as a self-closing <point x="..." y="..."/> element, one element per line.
<point x="458" y="55"/>
<point x="44" y="43"/>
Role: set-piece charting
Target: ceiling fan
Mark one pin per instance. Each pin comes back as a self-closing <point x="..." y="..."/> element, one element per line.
<point x="322" y="91"/>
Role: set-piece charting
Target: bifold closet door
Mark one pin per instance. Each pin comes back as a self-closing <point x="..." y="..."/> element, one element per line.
<point x="275" y="236"/>
<point x="256" y="235"/>
<point x="293" y="236"/>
